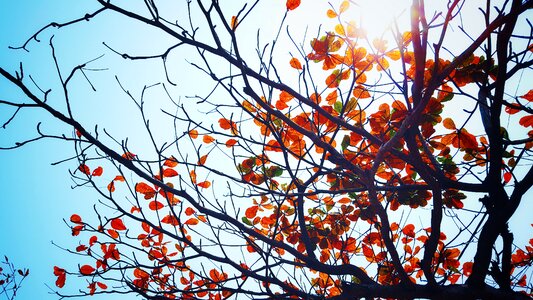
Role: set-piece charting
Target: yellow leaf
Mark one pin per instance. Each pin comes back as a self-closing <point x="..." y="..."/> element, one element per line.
<point x="344" y="6"/>
<point x="339" y="29"/>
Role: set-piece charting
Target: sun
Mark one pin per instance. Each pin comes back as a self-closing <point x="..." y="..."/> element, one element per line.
<point x="378" y="17"/>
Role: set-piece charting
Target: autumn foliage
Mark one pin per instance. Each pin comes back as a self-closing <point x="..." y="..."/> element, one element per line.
<point x="361" y="166"/>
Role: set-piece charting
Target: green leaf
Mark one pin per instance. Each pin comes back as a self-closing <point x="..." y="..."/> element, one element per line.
<point x="338" y="106"/>
<point x="345" y="142"/>
<point x="246" y="221"/>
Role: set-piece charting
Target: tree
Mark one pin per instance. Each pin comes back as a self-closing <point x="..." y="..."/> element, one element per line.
<point x="11" y="279"/>
<point x="357" y="167"/>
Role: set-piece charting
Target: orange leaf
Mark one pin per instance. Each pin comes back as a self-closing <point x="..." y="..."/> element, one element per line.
<point x="208" y="139"/>
<point x="202" y="160"/>
<point x="189" y="211"/>
<point x="295" y="63"/>
<point x="75" y="219"/>
<point x="128" y="155"/>
<point x="204" y="184"/>
<point x="449" y="124"/>
<point x="86" y="270"/>
<point x="409" y="230"/>
<point x="155" y="205"/>
<point x="331" y="13"/>
<point x="234" y="22"/>
<point x="111" y="186"/>
<point x="193" y="176"/>
<point x="117" y="224"/>
<point x="231" y="142"/>
<point x="225" y="123"/>
<point x="193" y="133"/>
<point x="168" y="219"/>
<point x="192" y="221"/>
<point x="331" y="98"/>
<point x="202" y="218"/>
<point x="251" y="212"/>
<point x="144" y="188"/>
<point x="169" y="173"/>
<point x="359" y="92"/>
<point x="292" y="4"/>
<point x="98" y="171"/>
<point x="171" y="162"/>
<point x="113" y="233"/>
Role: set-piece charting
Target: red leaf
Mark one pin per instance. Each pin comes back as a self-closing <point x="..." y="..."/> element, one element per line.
<point x="84" y="169"/>
<point x="117" y="224"/>
<point x="169" y="173"/>
<point x="528" y="96"/>
<point x="507" y="177"/>
<point x="101" y="285"/>
<point x="98" y="171"/>
<point x="292" y="4"/>
<point x="75" y="219"/>
<point x="86" y="270"/>
<point x="526" y="121"/>
<point x="81" y="248"/>
<point x="61" y="276"/>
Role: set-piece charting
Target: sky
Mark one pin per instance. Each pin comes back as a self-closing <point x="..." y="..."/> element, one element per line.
<point x="35" y="195"/>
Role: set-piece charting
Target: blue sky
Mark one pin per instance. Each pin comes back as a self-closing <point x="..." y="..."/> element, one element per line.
<point x="35" y="196"/>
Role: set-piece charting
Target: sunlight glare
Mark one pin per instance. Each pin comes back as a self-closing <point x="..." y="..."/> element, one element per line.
<point x="377" y="17"/>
